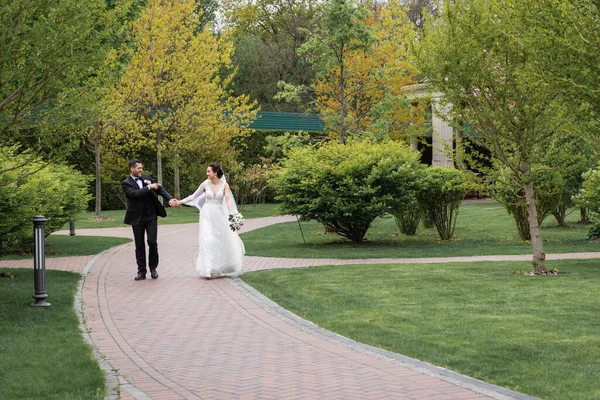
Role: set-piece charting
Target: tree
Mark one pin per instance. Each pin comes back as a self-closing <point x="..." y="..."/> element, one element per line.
<point x="341" y="32"/>
<point x="267" y="35"/>
<point x="207" y="12"/>
<point x="49" y="50"/>
<point x="417" y="9"/>
<point x="470" y="54"/>
<point x="566" y="47"/>
<point x="95" y="108"/>
<point x="173" y="97"/>
<point x="374" y="78"/>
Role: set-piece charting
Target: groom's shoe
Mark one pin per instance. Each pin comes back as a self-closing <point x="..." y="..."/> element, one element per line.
<point x="140" y="277"/>
<point x="153" y="273"/>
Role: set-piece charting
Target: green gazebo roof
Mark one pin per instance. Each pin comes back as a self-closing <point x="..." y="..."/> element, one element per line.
<point x="285" y="121"/>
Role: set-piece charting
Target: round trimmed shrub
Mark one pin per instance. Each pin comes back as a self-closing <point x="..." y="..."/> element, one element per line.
<point x="589" y="198"/>
<point x="28" y="187"/>
<point x="345" y="187"/>
<point x="408" y="217"/>
<point x="440" y="197"/>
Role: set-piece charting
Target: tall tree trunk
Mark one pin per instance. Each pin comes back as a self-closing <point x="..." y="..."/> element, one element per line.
<point x="342" y="105"/>
<point x="584" y="216"/>
<point x="97" y="137"/>
<point x="537" y="244"/>
<point x="159" y="163"/>
<point x="176" y="177"/>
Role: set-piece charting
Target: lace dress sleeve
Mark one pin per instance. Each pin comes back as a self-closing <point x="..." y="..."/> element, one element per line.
<point x="196" y="199"/>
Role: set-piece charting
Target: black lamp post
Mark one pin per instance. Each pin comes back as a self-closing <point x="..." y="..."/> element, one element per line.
<point x="39" y="262"/>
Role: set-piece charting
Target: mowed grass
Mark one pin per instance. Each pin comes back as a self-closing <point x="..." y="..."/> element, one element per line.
<point x="176" y="215"/>
<point x="43" y="354"/>
<point x="537" y="335"/>
<point x="481" y="229"/>
<point x="70" y="246"/>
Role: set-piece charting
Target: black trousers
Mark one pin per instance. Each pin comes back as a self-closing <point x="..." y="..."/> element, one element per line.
<point x="148" y="227"/>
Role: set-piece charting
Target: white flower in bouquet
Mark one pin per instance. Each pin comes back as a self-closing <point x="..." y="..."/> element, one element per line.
<point x="236" y="221"/>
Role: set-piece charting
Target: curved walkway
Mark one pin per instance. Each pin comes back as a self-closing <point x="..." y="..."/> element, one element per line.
<point x="181" y="337"/>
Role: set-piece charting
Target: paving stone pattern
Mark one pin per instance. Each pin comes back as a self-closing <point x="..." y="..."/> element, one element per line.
<point x="182" y="337"/>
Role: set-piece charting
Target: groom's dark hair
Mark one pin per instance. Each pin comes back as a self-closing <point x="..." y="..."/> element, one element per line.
<point x="216" y="169"/>
<point x="132" y="162"/>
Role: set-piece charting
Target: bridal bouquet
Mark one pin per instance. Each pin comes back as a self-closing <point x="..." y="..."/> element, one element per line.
<point x="236" y="221"/>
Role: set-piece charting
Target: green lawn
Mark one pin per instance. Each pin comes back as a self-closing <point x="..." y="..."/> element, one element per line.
<point x="481" y="229"/>
<point x="178" y="215"/>
<point x="43" y="354"/>
<point x="69" y="246"/>
<point x="537" y="335"/>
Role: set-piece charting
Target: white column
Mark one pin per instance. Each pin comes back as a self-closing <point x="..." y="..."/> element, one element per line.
<point x="443" y="136"/>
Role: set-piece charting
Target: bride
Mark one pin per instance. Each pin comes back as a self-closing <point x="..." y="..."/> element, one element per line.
<point x="221" y="249"/>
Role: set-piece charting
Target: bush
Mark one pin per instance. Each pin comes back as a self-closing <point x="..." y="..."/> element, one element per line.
<point x="547" y="188"/>
<point x="408" y="217"/>
<point x="250" y="184"/>
<point x="28" y="187"/>
<point x="441" y="196"/>
<point x="345" y="187"/>
<point x="589" y="199"/>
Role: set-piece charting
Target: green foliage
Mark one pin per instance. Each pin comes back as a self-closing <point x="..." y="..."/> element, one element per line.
<point x="570" y="157"/>
<point x="249" y="183"/>
<point x="440" y="197"/>
<point x="49" y="48"/>
<point x="566" y="48"/>
<point x="589" y="198"/>
<point x="408" y="217"/>
<point x="30" y="187"/>
<point x="340" y="31"/>
<point x="547" y="184"/>
<point x="267" y="34"/>
<point x="277" y="146"/>
<point x="174" y="98"/>
<point x="345" y="187"/>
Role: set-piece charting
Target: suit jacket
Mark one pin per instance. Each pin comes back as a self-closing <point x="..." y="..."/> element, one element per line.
<point x="136" y="198"/>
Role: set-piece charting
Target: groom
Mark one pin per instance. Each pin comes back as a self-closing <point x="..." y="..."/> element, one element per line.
<point x="142" y="210"/>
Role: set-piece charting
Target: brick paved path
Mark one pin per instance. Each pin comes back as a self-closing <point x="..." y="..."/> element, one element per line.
<point x="181" y="337"/>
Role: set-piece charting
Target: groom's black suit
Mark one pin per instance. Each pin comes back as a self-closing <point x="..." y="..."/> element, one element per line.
<point x="143" y="208"/>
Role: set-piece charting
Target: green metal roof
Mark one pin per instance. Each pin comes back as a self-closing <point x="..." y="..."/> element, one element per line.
<point x="285" y="121"/>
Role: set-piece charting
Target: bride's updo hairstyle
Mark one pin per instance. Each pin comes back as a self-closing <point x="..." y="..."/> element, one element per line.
<point x="216" y="169"/>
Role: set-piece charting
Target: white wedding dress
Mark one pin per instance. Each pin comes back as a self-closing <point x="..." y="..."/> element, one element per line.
<point x="221" y="251"/>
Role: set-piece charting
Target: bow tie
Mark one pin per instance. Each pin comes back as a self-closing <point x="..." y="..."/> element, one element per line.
<point x="138" y="179"/>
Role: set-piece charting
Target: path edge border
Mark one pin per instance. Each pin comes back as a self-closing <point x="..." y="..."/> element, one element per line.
<point x="112" y="381"/>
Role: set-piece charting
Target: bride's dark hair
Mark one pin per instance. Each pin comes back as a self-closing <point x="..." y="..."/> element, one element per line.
<point x="216" y="169"/>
